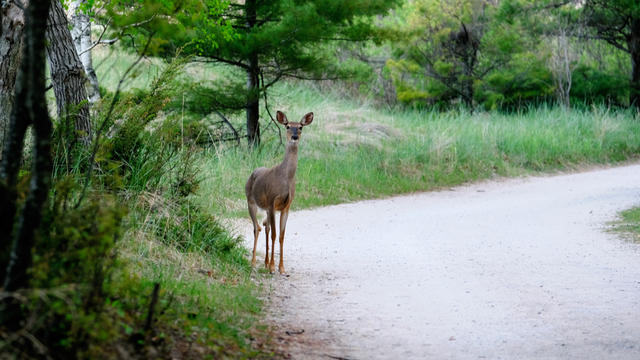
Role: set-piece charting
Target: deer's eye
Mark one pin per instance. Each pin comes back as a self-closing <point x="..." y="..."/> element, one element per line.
<point x="300" y="128"/>
<point x="288" y="126"/>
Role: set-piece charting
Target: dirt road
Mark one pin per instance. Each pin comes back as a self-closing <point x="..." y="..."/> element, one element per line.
<point x="512" y="269"/>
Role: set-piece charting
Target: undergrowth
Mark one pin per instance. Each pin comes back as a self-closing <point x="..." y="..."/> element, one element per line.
<point x="127" y="264"/>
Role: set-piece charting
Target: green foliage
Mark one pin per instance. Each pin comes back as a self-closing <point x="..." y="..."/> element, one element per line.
<point x="73" y="260"/>
<point x="592" y="85"/>
<point x="156" y="26"/>
<point x="526" y="81"/>
<point x="509" y="57"/>
<point x="448" y="51"/>
<point x="614" y="21"/>
<point x="85" y="235"/>
<point x="135" y="111"/>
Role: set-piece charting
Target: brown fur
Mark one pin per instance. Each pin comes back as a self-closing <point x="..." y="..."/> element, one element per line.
<point x="273" y="189"/>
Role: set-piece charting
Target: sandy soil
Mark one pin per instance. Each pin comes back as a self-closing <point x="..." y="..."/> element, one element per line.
<point x="514" y="269"/>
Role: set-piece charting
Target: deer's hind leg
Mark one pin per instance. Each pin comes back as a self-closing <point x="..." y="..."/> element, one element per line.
<point x="271" y="218"/>
<point x="256" y="228"/>
<point x="265" y="223"/>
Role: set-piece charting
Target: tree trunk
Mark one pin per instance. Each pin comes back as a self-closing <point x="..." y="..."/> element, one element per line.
<point x="81" y="34"/>
<point x="634" y="50"/>
<point x="467" y="96"/>
<point x="10" y="54"/>
<point x="253" y="104"/>
<point x="466" y="48"/>
<point x="561" y="65"/>
<point x="67" y="75"/>
<point x="253" y="83"/>
<point x="30" y="107"/>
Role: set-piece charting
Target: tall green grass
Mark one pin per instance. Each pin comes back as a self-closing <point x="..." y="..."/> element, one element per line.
<point x="353" y="151"/>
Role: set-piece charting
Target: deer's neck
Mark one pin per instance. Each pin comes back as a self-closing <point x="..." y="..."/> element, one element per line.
<point x="290" y="162"/>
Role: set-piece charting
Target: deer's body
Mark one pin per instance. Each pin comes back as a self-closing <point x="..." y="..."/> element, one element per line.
<point x="273" y="189"/>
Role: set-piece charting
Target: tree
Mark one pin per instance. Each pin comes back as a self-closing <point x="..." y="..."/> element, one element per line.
<point x="562" y="63"/>
<point x="276" y="39"/>
<point x="66" y="70"/>
<point x="81" y="34"/>
<point x="12" y="19"/>
<point x="618" y="23"/>
<point x="29" y="108"/>
<point x="450" y="46"/>
<point x="67" y="76"/>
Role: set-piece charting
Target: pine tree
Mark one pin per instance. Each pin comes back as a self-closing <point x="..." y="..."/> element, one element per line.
<point x="277" y="39"/>
<point x="618" y="23"/>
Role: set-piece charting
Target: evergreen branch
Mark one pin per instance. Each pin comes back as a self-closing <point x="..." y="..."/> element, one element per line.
<point x="217" y="59"/>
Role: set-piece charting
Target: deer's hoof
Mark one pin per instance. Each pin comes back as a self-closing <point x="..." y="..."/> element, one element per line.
<point x="281" y="269"/>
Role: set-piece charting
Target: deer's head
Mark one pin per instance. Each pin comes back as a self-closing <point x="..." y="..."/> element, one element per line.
<point x="294" y="129"/>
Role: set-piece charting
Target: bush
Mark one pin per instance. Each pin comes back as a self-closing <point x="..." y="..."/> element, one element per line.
<point x="591" y="85"/>
<point x="85" y="300"/>
<point x="525" y="82"/>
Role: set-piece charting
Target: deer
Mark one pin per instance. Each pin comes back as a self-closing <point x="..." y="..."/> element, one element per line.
<point x="273" y="189"/>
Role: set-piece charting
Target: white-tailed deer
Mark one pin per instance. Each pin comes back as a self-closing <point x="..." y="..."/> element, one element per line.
<point x="273" y="190"/>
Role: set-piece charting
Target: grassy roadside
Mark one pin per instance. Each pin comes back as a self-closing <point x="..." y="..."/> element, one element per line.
<point x="353" y="151"/>
<point x="629" y="224"/>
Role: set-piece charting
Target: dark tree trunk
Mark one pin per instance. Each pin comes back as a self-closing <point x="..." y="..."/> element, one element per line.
<point x="467" y="93"/>
<point x="464" y="48"/>
<point x="253" y="83"/>
<point x="634" y="50"/>
<point x="30" y="107"/>
<point x="10" y="54"/>
<point x="67" y="75"/>
<point x="253" y="104"/>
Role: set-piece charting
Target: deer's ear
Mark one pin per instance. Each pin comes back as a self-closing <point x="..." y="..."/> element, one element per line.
<point x="282" y="118"/>
<point x="307" y="119"/>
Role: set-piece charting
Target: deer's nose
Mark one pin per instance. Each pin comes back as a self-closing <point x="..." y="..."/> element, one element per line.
<point x="294" y="137"/>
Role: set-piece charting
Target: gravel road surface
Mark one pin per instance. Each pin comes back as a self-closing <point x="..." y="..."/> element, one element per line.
<point x="509" y="269"/>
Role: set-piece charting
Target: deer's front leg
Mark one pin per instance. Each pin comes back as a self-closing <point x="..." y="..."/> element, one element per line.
<point x="266" y="238"/>
<point x="283" y="225"/>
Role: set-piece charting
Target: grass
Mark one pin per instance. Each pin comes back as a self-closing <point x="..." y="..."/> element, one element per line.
<point x="353" y="151"/>
<point x="110" y="64"/>
<point x="213" y="301"/>
<point x="629" y="224"/>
